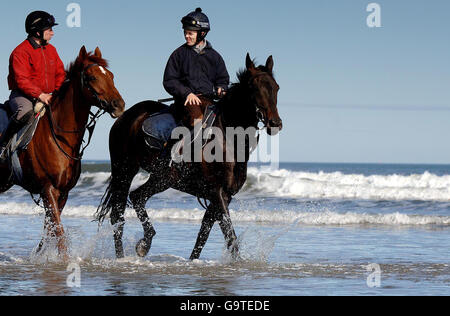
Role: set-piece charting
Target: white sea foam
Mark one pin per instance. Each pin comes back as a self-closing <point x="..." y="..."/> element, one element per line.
<point x="94" y="184"/>
<point x="323" y="217"/>
<point x="309" y="185"/>
<point x="314" y="185"/>
<point x="8" y="259"/>
<point x="285" y="183"/>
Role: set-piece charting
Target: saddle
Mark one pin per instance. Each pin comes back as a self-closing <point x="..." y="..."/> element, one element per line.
<point x="5" y="114"/>
<point x="158" y="127"/>
<point x="22" y="139"/>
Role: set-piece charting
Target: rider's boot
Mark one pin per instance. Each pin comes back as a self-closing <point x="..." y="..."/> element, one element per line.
<point x="14" y="126"/>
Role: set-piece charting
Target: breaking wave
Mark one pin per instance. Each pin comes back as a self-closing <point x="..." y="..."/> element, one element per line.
<point x="310" y="185"/>
<point x="283" y="217"/>
<point x="336" y="185"/>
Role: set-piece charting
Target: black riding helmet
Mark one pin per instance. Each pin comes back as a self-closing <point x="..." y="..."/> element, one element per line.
<point x="196" y="21"/>
<point x="38" y="22"/>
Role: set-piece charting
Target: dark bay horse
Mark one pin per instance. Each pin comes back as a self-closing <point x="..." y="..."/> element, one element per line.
<point x="51" y="163"/>
<point x="251" y="100"/>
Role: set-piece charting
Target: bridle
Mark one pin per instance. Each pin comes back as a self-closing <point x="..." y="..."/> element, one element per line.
<point x="259" y="112"/>
<point x="85" y="83"/>
<point x="93" y="117"/>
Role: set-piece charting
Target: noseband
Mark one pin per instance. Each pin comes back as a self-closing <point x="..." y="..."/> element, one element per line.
<point x="259" y="112"/>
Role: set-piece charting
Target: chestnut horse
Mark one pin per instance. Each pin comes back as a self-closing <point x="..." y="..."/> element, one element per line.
<point x="251" y="100"/>
<point x="51" y="163"/>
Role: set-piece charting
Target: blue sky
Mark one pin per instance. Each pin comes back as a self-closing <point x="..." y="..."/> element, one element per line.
<point x="349" y="93"/>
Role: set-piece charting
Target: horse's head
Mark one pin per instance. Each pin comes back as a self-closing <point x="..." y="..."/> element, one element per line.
<point x="264" y="91"/>
<point x="97" y="83"/>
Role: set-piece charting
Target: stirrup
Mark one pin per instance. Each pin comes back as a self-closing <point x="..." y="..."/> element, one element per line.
<point x="3" y="152"/>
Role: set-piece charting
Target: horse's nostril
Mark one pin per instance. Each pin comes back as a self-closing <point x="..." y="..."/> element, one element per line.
<point x="117" y="107"/>
<point x="118" y="103"/>
<point x="275" y="123"/>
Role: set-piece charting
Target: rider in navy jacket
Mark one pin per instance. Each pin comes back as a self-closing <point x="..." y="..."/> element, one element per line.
<point x="194" y="69"/>
<point x="190" y="72"/>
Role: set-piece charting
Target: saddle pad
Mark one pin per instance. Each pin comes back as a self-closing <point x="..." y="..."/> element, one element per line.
<point x="3" y="119"/>
<point x="25" y="135"/>
<point x="160" y="126"/>
<point x="19" y="142"/>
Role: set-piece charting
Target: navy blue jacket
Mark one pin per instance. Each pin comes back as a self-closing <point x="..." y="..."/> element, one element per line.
<point x="188" y="71"/>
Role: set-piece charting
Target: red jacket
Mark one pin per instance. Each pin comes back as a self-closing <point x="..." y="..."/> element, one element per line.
<point x="35" y="69"/>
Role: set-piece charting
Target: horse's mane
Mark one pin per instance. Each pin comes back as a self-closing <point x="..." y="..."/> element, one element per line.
<point x="75" y="68"/>
<point x="78" y="65"/>
<point x="238" y="91"/>
<point x="244" y="75"/>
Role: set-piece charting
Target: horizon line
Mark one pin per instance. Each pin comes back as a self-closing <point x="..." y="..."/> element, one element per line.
<point x="319" y="162"/>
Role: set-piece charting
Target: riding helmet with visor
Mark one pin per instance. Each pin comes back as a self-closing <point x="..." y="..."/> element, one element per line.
<point x="37" y="22"/>
<point x="196" y="21"/>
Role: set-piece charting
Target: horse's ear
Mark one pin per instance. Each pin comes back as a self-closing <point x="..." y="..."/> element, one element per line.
<point x="269" y="64"/>
<point x="98" y="53"/>
<point x="83" y="53"/>
<point x="249" y="63"/>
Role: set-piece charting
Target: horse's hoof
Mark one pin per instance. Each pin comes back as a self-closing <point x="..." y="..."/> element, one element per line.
<point x="236" y="257"/>
<point x="120" y="255"/>
<point x="39" y="247"/>
<point x="143" y="247"/>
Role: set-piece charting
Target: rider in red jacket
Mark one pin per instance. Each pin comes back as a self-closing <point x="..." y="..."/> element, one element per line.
<point x="35" y="71"/>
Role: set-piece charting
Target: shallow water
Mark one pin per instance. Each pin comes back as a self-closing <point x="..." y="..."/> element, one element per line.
<point x="300" y="260"/>
<point x="290" y="242"/>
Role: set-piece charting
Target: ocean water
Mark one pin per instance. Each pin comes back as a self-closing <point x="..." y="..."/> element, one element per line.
<point x="304" y="229"/>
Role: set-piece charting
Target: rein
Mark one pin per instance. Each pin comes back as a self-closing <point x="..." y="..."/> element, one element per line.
<point x="89" y="127"/>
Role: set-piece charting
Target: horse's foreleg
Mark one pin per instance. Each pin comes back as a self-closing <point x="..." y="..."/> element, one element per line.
<point x="52" y="224"/>
<point x="61" y="203"/>
<point x="207" y="223"/>
<point x="217" y="210"/>
<point x="227" y="227"/>
<point x="230" y="235"/>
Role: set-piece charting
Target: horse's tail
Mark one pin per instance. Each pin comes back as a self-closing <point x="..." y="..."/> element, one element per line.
<point x="105" y="204"/>
<point x="124" y="164"/>
<point x="115" y="198"/>
<point x="123" y="170"/>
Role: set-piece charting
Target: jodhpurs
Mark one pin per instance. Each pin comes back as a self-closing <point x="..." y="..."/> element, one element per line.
<point x="19" y="104"/>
